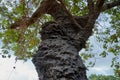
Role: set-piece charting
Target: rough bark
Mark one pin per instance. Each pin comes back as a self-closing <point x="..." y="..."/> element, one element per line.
<point x="58" y="57"/>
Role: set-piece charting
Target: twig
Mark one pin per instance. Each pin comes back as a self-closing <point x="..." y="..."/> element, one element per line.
<point x="110" y="5"/>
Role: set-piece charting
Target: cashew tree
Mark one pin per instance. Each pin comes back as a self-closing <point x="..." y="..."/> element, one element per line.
<point x="52" y="32"/>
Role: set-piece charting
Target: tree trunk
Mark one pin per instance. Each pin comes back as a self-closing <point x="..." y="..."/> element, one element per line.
<point x="58" y="57"/>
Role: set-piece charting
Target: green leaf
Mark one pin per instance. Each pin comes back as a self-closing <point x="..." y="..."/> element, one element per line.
<point x="5" y="51"/>
<point x="104" y="54"/>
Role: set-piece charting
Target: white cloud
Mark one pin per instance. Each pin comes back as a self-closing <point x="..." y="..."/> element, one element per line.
<point x="23" y="71"/>
<point x="26" y="70"/>
<point x="104" y="70"/>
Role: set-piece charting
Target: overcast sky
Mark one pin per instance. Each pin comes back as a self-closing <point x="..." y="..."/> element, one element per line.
<point x="23" y="70"/>
<point x="26" y="70"/>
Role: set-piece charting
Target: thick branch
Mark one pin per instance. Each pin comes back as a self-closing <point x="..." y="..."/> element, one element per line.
<point x="40" y="11"/>
<point x="70" y="15"/>
<point x="110" y="5"/>
<point x="99" y="5"/>
<point x="45" y="6"/>
<point x="90" y="6"/>
<point x="95" y="14"/>
<point x="54" y="8"/>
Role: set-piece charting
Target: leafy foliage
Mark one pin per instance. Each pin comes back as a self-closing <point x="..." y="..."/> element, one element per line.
<point x="111" y="36"/>
<point x="24" y="42"/>
<point x="102" y="77"/>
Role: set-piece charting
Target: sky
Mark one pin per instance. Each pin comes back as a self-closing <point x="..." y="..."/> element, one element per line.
<point x="102" y="65"/>
<point x="26" y="70"/>
<point x="22" y="71"/>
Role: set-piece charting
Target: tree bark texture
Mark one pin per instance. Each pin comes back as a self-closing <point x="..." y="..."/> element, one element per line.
<point x="58" y="57"/>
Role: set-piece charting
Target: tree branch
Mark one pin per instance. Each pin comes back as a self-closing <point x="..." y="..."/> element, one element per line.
<point x="45" y="6"/>
<point x="99" y="5"/>
<point x="56" y="8"/>
<point x="95" y="14"/>
<point x="110" y="5"/>
<point x="70" y="15"/>
<point x="90" y="6"/>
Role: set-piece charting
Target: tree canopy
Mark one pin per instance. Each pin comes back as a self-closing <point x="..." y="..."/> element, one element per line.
<point x="24" y="41"/>
<point x="102" y="77"/>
